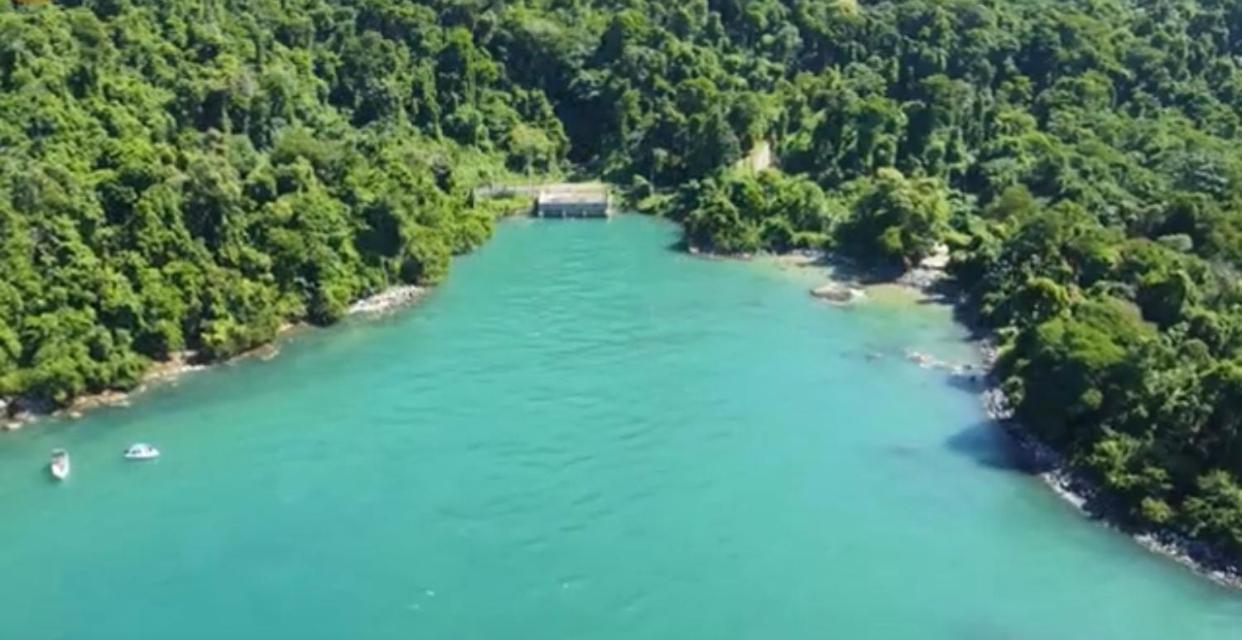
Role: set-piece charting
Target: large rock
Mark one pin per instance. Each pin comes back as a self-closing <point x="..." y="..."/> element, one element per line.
<point x="837" y="292"/>
<point x="388" y="299"/>
<point x="937" y="260"/>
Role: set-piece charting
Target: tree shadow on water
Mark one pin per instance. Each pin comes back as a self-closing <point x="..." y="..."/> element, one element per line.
<point x="988" y="445"/>
<point x="974" y="382"/>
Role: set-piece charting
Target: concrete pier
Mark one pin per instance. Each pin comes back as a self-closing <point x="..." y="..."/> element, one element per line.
<point x="573" y="201"/>
<point x="560" y="200"/>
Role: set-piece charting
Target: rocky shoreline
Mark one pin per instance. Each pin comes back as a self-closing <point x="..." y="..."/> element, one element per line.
<point x="931" y="280"/>
<point x="1074" y="487"/>
<point x="17" y="412"/>
<point x="844" y="285"/>
<point x="388" y="300"/>
<point x="1080" y="491"/>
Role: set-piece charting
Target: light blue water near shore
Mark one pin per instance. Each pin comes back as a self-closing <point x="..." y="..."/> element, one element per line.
<point x="582" y="434"/>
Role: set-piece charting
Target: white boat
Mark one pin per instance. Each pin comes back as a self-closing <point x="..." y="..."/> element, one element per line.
<point x="59" y="466"/>
<point x="141" y="451"/>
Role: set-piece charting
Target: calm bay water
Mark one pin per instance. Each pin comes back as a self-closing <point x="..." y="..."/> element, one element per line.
<point x="581" y="434"/>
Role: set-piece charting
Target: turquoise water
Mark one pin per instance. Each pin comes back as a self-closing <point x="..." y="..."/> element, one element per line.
<point x="582" y="434"/>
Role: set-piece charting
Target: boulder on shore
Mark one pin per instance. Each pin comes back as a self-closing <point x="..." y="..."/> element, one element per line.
<point x="837" y="292"/>
<point x="388" y="299"/>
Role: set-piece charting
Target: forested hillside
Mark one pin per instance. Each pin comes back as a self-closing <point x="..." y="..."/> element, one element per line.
<point x="195" y="174"/>
<point x="192" y="174"/>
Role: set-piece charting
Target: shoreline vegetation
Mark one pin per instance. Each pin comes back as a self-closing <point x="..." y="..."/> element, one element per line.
<point x="180" y="178"/>
<point x="930" y="281"/>
<point x="16" y="413"/>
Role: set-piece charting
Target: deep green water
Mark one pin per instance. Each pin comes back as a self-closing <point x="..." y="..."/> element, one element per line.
<point x="582" y="434"/>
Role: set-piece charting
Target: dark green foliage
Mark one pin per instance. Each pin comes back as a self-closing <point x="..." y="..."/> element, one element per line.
<point x="1080" y="159"/>
<point x="896" y="220"/>
<point x="738" y="212"/>
<point x="186" y="176"/>
<point x="192" y="175"/>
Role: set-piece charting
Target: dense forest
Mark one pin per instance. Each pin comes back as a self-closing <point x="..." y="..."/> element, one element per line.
<point x="192" y="175"/>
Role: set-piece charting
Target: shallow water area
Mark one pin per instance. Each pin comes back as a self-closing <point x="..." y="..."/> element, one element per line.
<point x="582" y="433"/>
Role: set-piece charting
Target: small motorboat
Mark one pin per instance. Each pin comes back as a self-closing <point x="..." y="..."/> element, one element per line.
<point x="59" y="466"/>
<point x="141" y="451"/>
